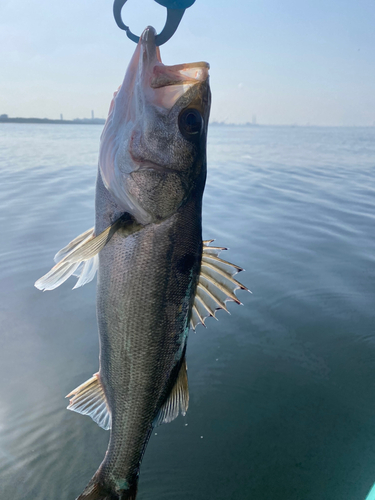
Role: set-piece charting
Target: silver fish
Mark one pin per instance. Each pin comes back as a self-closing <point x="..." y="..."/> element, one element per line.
<point x="156" y="278"/>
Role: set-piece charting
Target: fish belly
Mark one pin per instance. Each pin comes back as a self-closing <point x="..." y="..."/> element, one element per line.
<point x="146" y="286"/>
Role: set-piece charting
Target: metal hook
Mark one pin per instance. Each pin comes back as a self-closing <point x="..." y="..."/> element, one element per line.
<point x="174" y="16"/>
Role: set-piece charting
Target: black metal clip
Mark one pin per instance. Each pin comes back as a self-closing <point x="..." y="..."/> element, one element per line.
<point x="175" y="11"/>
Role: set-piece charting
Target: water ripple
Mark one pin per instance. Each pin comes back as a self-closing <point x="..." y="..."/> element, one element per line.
<point x="281" y="391"/>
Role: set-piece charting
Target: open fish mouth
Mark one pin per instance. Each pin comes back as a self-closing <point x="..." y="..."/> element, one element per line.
<point x="172" y="82"/>
<point x="189" y="73"/>
<point x="166" y="84"/>
<point x="142" y="133"/>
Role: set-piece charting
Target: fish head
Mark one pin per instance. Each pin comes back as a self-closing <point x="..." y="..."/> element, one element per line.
<point x="153" y="146"/>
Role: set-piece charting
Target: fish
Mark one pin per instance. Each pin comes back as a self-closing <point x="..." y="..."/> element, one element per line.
<point x="157" y="278"/>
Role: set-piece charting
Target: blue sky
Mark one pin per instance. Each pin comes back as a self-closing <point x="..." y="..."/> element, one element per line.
<point x="307" y="61"/>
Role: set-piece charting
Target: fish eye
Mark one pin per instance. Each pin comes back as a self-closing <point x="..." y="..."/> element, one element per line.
<point x="190" y="122"/>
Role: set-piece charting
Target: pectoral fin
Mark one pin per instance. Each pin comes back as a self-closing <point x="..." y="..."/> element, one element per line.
<point x="216" y="285"/>
<point x="178" y="400"/>
<point x="80" y="256"/>
<point x="89" y="399"/>
<point x="74" y="244"/>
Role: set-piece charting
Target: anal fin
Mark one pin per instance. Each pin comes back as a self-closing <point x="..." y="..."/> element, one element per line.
<point x="89" y="399"/>
<point x="178" y="400"/>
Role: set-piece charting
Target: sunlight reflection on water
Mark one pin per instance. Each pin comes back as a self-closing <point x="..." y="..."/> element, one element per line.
<point x="282" y="390"/>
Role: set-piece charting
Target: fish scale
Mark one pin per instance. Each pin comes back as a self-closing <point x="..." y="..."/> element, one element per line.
<point x="152" y="298"/>
<point x="156" y="277"/>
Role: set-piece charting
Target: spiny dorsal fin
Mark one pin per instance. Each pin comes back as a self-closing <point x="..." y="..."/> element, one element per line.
<point x="178" y="400"/>
<point x="89" y="399"/>
<point x="80" y="256"/>
<point x="216" y="285"/>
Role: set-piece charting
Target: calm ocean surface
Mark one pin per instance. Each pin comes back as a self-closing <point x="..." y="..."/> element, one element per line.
<point x="282" y="392"/>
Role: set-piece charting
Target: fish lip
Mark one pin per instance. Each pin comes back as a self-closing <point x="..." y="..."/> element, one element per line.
<point x="149" y="50"/>
<point x="149" y="35"/>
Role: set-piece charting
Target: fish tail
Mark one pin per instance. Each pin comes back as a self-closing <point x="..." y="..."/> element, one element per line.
<point x="96" y="490"/>
<point x="129" y="494"/>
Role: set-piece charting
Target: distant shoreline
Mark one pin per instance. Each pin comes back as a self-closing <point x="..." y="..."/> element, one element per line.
<point x="77" y="121"/>
<point x="101" y="121"/>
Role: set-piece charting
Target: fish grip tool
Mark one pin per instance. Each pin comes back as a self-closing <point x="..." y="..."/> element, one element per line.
<point x="175" y="11"/>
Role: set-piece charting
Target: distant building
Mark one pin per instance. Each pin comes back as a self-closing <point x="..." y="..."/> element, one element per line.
<point x="4" y="117"/>
<point x="61" y="117"/>
<point x="92" y="115"/>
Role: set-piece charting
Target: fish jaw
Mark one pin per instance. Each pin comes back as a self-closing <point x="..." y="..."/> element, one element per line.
<point x="144" y="158"/>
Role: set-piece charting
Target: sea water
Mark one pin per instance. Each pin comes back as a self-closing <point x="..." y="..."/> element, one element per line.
<point x="282" y="391"/>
